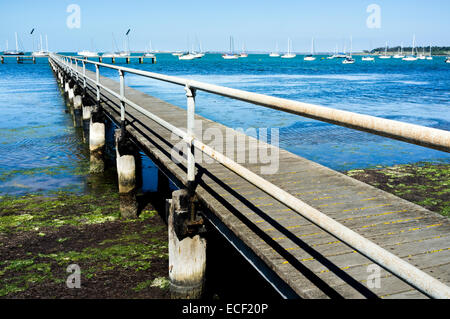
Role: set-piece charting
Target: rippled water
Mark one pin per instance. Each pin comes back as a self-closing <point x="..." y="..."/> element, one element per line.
<point x="40" y="150"/>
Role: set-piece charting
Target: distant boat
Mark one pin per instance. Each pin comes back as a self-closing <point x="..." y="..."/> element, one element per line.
<point x="422" y="56"/>
<point x="310" y="57"/>
<point x="88" y="54"/>
<point x="447" y="60"/>
<point x="41" y="52"/>
<point x="231" y="55"/>
<point x="178" y="53"/>
<point x="188" y="56"/>
<point x="289" y="54"/>
<point x="411" y="57"/>
<point x="149" y="53"/>
<point x="430" y="57"/>
<point x="17" y="52"/>
<point x="385" y="56"/>
<point x="275" y="54"/>
<point x="243" y="53"/>
<point x="349" y="59"/>
<point x="368" y="58"/>
<point x="400" y="54"/>
<point x="335" y="55"/>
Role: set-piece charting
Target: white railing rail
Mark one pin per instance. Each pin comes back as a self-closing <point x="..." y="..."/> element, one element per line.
<point x="429" y="137"/>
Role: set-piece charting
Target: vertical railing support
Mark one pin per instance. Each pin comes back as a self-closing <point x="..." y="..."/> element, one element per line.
<point x="84" y="78"/>
<point x="190" y="94"/>
<point x="76" y="68"/>
<point x="97" y="79"/>
<point x="122" y="103"/>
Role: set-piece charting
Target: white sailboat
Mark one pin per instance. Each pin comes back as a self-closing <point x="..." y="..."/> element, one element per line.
<point x="447" y="60"/>
<point x="411" y="57"/>
<point x="368" y="58"/>
<point x="149" y="53"/>
<point x="289" y="54"/>
<point x="310" y="57"/>
<point x="87" y="53"/>
<point x="399" y="54"/>
<point x="41" y="52"/>
<point x="422" y="55"/>
<point x="335" y="55"/>
<point x="275" y="54"/>
<point x="430" y="57"/>
<point x="231" y="55"/>
<point x="385" y="56"/>
<point x="349" y="59"/>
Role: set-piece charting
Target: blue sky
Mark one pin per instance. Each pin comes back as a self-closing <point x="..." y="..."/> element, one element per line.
<point x="260" y="24"/>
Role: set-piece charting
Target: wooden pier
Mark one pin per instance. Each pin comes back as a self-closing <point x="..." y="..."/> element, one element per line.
<point x="299" y="258"/>
<point x="128" y="59"/>
<point x="19" y="58"/>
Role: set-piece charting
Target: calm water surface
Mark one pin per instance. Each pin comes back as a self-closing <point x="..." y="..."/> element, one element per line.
<point x="41" y="151"/>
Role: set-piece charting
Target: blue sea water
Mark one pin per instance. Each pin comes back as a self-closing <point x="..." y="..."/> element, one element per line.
<point x="36" y="133"/>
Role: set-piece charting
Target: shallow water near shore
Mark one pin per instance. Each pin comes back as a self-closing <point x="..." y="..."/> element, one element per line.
<point x="40" y="151"/>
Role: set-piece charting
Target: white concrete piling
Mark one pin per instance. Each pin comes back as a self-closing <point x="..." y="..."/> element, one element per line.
<point x="126" y="173"/>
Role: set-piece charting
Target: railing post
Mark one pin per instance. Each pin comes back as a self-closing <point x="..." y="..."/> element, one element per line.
<point x="76" y="68"/>
<point x="190" y="94"/>
<point x="97" y="79"/>
<point x="84" y="77"/>
<point x="122" y="102"/>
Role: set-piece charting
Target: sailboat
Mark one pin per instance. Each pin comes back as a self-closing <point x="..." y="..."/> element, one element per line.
<point x="41" y="52"/>
<point x="412" y="57"/>
<point x="447" y="60"/>
<point x="422" y="56"/>
<point x="289" y="54"/>
<point x="17" y="52"/>
<point x="190" y="55"/>
<point x="310" y="57"/>
<point x="430" y="57"/>
<point x="231" y="55"/>
<point x="200" y="54"/>
<point x="275" y="54"/>
<point x="243" y="53"/>
<point x="400" y="54"/>
<point x="335" y="55"/>
<point x="368" y="57"/>
<point x="149" y="53"/>
<point x="87" y="53"/>
<point x="385" y="56"/>
<point x="349" y="59"/>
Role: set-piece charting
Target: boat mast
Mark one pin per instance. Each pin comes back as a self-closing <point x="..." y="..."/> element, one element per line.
<point x="46" y="42"/>
<point x="40" y="36"/>
<point x="17" y="43"/>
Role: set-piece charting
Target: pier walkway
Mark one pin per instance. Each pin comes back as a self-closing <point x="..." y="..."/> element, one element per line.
<point x="289" y="248"/>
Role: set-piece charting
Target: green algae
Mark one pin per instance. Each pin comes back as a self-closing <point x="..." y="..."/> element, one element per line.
<point x="426" y="184"/>
<point x="39" y="215"/>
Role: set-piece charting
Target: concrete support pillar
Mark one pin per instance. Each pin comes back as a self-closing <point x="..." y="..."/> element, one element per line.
<point x="77" y="105"/>
<point x="126" y="173"/>
<point x="97" y="141"/>
<point x="71" y="93"/>
<point x="187" y="251"/>
<point x="87" y="107"/>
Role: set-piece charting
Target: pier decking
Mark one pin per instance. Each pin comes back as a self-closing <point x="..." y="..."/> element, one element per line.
<point x="311" y="262"/>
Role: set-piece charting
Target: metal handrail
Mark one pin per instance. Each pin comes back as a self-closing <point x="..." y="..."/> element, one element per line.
<point x="397" y="266"/>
